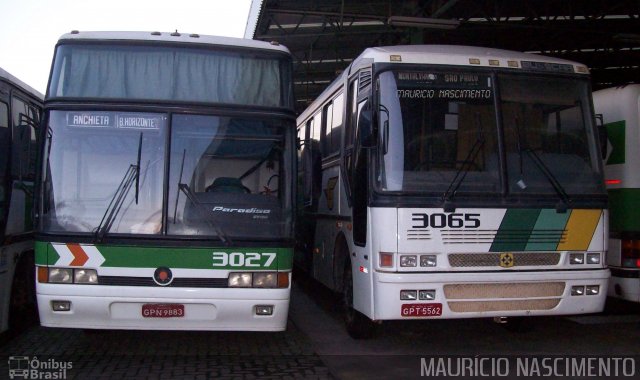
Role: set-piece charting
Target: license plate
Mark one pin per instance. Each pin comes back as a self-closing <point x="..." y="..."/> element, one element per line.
<point x="165" y="310"/>
<point x="421" y="310"/>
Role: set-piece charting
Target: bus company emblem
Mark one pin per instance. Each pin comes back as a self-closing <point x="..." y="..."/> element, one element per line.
<point x="163" y="276"/>
<point x="507" y="260"/>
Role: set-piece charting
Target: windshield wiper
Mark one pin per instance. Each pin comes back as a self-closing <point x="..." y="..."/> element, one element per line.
<point x="468" y="162"/>
<point x="131" y="176"/>
<point x="116" y="202"/>
<point x="565" y="200"/>
<point x="204" y="213"/>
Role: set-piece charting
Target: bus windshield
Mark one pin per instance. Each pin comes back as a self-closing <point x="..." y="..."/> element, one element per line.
<point x="170" y="73"/>
<point x="439" y="134"/>
<point x="224" y="176"/>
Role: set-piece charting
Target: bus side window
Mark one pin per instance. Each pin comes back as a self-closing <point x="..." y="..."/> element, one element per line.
<point x="349" y="132"/>
<point x="5" y="138"/>
<point x="333" y="129"/>
<point x="24" y="117"/>
<point x="310" y="161"/>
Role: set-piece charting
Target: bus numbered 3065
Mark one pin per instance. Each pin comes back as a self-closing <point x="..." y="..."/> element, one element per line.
<point x="454" y="182"/>
<point x="166" y="187"/>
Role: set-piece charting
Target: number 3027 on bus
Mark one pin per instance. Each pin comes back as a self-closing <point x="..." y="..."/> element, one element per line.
<point x="421" y="310"/>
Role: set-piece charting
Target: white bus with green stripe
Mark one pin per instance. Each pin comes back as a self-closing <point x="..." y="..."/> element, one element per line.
<point x="454" y="182"/>
<point x="620" y="110"/>
<point x="166" y="190"/>
<point x="20" y="111"/>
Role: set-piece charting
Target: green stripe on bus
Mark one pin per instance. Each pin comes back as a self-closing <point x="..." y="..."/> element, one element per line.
<point x="547" y="231"/>
<point x="191" y="258"/>
<point x="515" y="229"/>
<point x="623" y="207"/>
<point x="42" y="254"/>
<point x="616" y="136"/>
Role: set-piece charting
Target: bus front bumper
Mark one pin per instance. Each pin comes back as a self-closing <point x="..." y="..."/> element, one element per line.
<point x="478" y="294"/>
<point x="163" y="309"/>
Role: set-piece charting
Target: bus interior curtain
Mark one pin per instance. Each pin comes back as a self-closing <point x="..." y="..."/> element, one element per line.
<point x="173" y="75"/>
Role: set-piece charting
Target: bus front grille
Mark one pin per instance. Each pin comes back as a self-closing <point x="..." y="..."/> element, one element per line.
<point x="492" y="259"/>
<point x="508" y="290"/>
<point x="484" y="297"/>
<point x="511" y="305"/>
<point x="176" y="283"/>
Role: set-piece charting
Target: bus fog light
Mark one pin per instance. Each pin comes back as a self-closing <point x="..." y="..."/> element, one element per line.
<point x="593" y="258"/>
<point x="592" y="290"/>
<point x="60" y="275"/>
<point x="240" y="280"/>
<point x="408" y="295"/>
<point x="576" y="258"/>
<point x="265" y="279"/>
<point x="408" y="260"/>
<point x="428" y="295"/>
<point x="264" y="310"/>
<point x="428" y="261"/>
<point x="85" y="276"/>
<point x="577" y="290"/>
<point x="60" y="305"/>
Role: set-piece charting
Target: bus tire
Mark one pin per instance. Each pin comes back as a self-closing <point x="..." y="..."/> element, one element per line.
<point x="358" y="325"/>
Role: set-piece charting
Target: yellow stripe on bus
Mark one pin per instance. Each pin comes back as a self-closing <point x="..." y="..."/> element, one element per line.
<point x="580" y="228"/>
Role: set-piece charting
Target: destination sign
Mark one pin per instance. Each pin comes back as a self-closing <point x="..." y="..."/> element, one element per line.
<point x="89" y="119"/>
<point x="124" y="120"/>
<point x="443" y="85"/>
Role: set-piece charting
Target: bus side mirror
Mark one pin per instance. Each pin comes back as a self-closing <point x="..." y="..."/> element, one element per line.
<point x="602" y="135"/>
<point x="366" y="136"/>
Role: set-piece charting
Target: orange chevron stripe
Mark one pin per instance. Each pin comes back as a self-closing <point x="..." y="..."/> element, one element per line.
<point x="79" y="255"/>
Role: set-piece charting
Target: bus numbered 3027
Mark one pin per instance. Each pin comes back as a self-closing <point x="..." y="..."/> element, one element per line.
<point x="166" y="190"/>
<point x="20" y="110"/>
<point x="454" y="182"/>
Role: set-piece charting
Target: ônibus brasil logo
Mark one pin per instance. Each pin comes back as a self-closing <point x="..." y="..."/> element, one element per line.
<point x="25" y="367"/>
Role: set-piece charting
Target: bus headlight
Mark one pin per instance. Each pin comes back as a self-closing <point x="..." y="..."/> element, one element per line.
<point x="576" y="258"/>
<point x="61" y="275"/>
<point x="593" y="258"/>
<point x="428" y="260"/>
<point x="408" y="260"/>
<point x="408" y="295"/>
<point x="240" y="280"/>
<point x="265" y="279"/>
<point x="85" y="276"/>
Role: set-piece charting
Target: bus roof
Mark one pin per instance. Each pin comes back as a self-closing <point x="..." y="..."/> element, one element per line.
<point x="457" y="55"/>
<point x="187" y="38"/>
<point x="25" y="87"/>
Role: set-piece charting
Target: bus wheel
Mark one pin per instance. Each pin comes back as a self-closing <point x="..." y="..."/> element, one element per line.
<point x="358" y="325"/>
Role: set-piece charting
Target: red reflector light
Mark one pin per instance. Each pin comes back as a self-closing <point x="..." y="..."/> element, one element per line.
<point x="613" y="182"/>
<point x="386" y="259"/>
<point x="630" y="253"/>
<point x="283" y="279"/>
